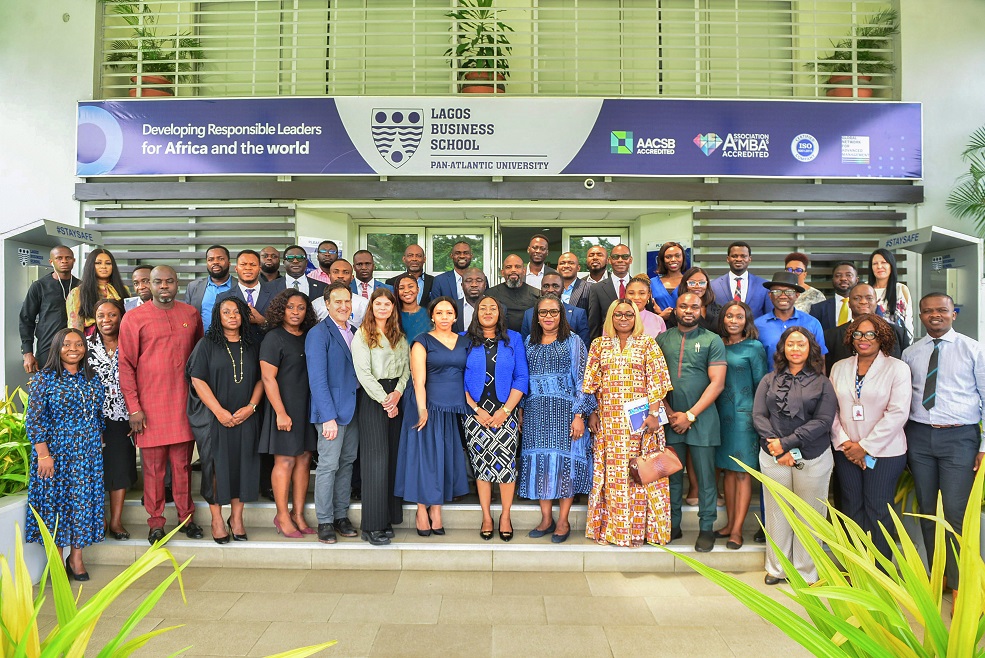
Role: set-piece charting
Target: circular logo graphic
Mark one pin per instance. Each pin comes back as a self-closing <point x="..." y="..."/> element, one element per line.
<point x="804" y="147"/>
<point x="99" y="141"/>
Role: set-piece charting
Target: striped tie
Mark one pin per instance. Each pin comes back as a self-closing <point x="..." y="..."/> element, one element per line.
<point x="738" y="290"/>
<point x="930" y="387"/>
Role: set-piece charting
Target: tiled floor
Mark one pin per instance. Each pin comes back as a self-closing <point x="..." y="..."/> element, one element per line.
<point x="258" y="612"/>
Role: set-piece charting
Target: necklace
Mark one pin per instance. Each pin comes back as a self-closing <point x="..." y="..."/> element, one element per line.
<point x="230" y="353"/>
<point x="62" y="288"/>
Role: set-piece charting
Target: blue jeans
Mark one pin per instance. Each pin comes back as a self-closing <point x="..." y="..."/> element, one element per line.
<point x="333" y="477"/>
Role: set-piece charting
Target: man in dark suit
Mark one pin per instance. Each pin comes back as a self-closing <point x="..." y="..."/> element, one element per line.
<point x="270" y="264"/>
<point x="414" y="262"/>
<point x="332" y="378"/>
<point x="513" y="293"/>
<point x="201" y="293"/>
<point x="574" y="291"/>
<point x="295" y="264"/>
<point x="537" y="250"/>
<point x="248" y="288"/>
<point x="474" y="286"/>
<point x="861" y="299"/>
<point x="602" y="294"/>
<point x="836" y="310"/>
<point x="364" y="284"/>
<point x="449" y="284"/>
<point x="577" y="317"/>
<point x="741" y="283"/>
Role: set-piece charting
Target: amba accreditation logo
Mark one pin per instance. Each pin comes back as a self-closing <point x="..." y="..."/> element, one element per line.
<point x="707" y="142"/>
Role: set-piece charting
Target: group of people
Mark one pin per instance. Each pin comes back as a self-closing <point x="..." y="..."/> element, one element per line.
<point x="419" y="384"/>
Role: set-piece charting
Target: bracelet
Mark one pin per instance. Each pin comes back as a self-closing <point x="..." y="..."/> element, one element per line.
<point x="507" y="410"/>
<point x="45" y="457"/>
<point x="254" y="407"/>
<point x="475" y="409"/>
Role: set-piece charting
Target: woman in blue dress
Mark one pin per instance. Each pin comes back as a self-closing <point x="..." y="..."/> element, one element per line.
<point x="431" y="460"/>
<point x="414" y="318"/>
<point x="663" y="286"/>
<point x="745" y="358"/>
<point x="556" y="453"/>
<point x="65" y="423"/>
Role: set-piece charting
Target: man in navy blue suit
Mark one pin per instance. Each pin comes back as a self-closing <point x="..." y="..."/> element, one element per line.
<point x="836" y="311"/>
<point x="249" y="289"/>
<point x="364" y="284"/>
<point x="332" y="378"/>
<point x="740" y="283"/>
<point x="449" y="284"/>
<point x="577" y="317"/>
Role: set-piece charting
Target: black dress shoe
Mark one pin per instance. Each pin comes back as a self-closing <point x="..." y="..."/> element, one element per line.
<point x="197" y="465"/>
<point x="344" y="527"/>
<point x="326" y="533"/>
<point x="376" y="537"/>
<point x="155" y="535"/>
<point x="390" y="534"/>
<point x="118" y="536"/>
<point x="676" y="533"/>
<point x="192" y="530"/>
<point x="770" y="579"/>
<point x="705" y="542"/>
<point x="80" y="577"/>
<point x="222" y="540"/>
<point x="760" y="536"/>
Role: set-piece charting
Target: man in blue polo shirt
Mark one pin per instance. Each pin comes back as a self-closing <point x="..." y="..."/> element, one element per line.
<point x="784" y="291"/>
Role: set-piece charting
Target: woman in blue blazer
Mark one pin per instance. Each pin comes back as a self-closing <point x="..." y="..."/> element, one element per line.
<point x="495" y="380"/>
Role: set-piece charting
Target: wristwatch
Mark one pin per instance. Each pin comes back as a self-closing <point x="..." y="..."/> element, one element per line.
<point x="254" y="407"/>
<point x="690" y="416"/>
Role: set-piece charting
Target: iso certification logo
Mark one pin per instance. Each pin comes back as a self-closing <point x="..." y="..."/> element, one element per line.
<point x="804" y="147"/>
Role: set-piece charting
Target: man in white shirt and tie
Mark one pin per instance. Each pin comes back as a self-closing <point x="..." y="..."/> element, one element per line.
<point x="295" y="265"/>
<point x="604" y="293"/>
<point x="740" y="284"/>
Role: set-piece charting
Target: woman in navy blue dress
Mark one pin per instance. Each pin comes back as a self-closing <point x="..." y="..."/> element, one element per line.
<point x="431" y="460"/>
<point x="65" y="424"/>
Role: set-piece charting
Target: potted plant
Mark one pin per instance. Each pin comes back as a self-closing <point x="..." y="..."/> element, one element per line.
<point x="481" y="47"/>
<point x="858" y="56"/>
<point x="15" y="460"/>
<point x="146" y="54"/>
<point x="967" y="198"/>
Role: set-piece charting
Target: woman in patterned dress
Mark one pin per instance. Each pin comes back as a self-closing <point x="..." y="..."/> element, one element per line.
<point x="119" y="452"/>
<point x="556" y="459"/>
<point x="495" y="381"/>
<point x="65" y="423"/>
<point x="100" y="280"/>
<point x="624" y="364"/>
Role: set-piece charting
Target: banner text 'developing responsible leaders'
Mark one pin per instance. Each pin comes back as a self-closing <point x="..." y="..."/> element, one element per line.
<point x="201" y="131"/>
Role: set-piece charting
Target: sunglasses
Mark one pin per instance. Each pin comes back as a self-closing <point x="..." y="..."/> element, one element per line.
<point x="328" y="251"/>
<point x="620" y="256"/>
<point x="295" y="258"/>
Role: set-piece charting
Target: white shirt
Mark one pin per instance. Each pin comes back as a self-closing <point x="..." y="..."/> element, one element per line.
<point x="838" y="299"/>
<point x="467" y="312"/>
<point x="615" y="282"/>
<point x="458" y="284"/>
<point x="359" y="306"/>
<point x="255" y="289"/>
<point x="744" y="277"/>
<point x="535" y="279"/>
<point x="370" y="287"/>
<point x="302" y="283"/>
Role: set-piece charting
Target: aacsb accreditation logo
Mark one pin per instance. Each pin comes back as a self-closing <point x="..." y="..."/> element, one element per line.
<point x="804" y="147"/>
<point x="622" y="142"/>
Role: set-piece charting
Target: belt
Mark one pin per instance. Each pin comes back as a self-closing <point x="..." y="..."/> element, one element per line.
<point x="942" y="427"/>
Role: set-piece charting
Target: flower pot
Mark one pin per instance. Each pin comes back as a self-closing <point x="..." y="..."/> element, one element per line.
<point x="840" y="86"/>
<point x="14" y="511"/>
<point x="473" y="85"/>
<point x="164" y="86"/>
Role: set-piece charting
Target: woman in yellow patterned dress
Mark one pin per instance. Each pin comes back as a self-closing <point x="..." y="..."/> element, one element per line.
<point x="625" y="364"/>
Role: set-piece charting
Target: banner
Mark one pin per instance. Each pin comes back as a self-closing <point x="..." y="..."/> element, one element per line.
<point x="499" y="136"/>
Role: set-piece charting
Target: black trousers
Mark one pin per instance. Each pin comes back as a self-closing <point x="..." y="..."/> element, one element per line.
<point x="379" y="438"/>
<point x="866" y="496"/>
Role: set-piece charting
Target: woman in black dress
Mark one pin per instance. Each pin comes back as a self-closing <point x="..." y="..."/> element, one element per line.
<point x="119" y="453"/>
<point x="226" y="389"/>
<point x="286" y="432"/>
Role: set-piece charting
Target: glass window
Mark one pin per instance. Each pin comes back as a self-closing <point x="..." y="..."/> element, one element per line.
<point x="580" y="244"/>
<point x="441" y="246"/>
<point x="388" y="250"/>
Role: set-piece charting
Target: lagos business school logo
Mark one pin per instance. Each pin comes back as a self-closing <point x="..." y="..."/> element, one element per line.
<point x="397" y="132"/>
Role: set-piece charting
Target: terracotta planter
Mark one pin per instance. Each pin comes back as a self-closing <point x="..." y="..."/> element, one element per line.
<point x="472" y="85"/>
<point x="164" y="86"/>
<point x="840" y="86"/>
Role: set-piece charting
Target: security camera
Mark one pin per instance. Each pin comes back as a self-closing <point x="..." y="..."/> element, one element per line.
<point x="589" y="183"/>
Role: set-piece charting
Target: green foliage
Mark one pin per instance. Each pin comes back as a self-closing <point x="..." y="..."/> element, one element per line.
<point x="19" y="634"/>
<point x="146" y="52"/>
<point x="480" y="38"/>
<point x="15" y="447"/>
<point x="967" y="198"/>
<point x="580" y="245"/>
<point x="388" y="250"/>
<point x="864" y="51"/>
<point x="441" y="246"/>
<point x="863" y="604"/>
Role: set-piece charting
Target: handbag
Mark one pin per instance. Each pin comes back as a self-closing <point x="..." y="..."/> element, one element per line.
<point x="646" y="469"/>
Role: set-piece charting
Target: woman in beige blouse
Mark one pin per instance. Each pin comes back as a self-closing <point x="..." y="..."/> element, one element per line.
<point x="382" y="362"/>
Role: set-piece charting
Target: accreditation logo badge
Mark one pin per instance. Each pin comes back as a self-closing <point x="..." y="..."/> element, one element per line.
<point x="397" y="132"/>
<point x="621" y="142"/>
<point x="707" y="142"/>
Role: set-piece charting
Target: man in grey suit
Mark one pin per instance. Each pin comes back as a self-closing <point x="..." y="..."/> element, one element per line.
<point x="202" y="293"/>
<point x="248" y="288"/>
<point x="574" y="291"/>
<point x="602" y="294"/>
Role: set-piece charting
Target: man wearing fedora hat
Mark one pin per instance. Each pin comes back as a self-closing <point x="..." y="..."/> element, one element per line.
<point x="784" y="289"/>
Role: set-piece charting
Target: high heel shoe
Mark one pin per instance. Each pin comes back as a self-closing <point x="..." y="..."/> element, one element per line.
<point x="424" y="533"/>
<point x="80" y="577"/>
<point x="296" y="534"/>
<point x="438" y="531"/>
<point x="236" y="537"/>
<point x="505" y="536"/>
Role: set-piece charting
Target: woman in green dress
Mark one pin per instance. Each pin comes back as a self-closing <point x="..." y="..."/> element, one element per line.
<point x="746" y="365"/>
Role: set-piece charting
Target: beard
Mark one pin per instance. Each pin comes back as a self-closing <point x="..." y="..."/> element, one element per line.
<point x="514" y="283"/>
<point x="269" y="268"/>
<point x="691" y="323"/>
<point x="221" y="274"/>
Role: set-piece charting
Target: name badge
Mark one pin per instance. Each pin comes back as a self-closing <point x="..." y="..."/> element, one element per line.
<point x="858" y="413"/>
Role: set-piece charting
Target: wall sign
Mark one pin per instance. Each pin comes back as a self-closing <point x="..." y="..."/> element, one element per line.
<point x="478" y="136"/>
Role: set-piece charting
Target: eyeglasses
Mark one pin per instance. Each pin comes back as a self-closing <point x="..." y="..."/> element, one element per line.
<point x="548" y="312"/>
<point x="697" y="284"/>
<point x="869" y="335"/>
<point x="328" y="251"/>
<point x="796" y="270"/>
<point x="620" y="256"/>
<point x="621" y="315"/>
<point x="295" y="258"/>
<point x="783" y="293"/>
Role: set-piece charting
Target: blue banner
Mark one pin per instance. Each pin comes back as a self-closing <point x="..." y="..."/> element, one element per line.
<point x="498" y="136"/>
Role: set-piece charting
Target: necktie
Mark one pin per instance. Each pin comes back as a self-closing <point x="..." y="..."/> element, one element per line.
<point x="249" y="296"/>
<point x="930" y="386"/>
<point x="843" y="311"/>
<point x="365" y="290"/>
<point x="622" y="289"/>
<point x="297" y="286"/>
<point x="738" y="290"/>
